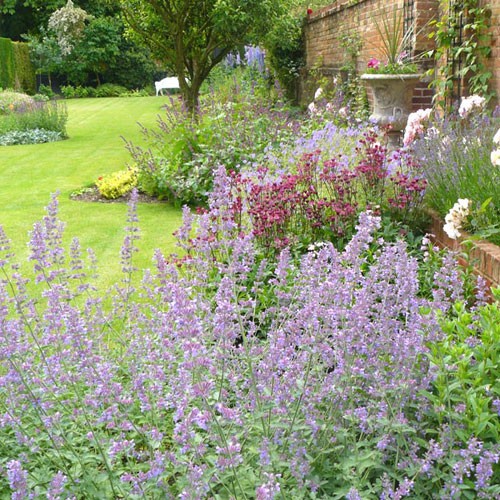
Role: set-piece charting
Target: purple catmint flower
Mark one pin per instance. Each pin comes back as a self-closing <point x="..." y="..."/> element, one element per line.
<point x="56" y="487"/>
<point x="353" y="494"/>
<point x="17" y="478"/>
<point x="270" y="489"/>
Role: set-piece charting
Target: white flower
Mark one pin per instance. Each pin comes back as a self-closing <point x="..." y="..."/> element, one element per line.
<point x="318" y="94"/>
<point x="496" y="137"/>
<point x="469" y="103"/>
<point x="312" y="108"/>
<point x="456" y="217"/>
<point x="343" y="112"/>
<point x="416" y="125"/>
<point x="329" y="106"/>
<point x="495" y="157"/>
<point x="451" y="231"/>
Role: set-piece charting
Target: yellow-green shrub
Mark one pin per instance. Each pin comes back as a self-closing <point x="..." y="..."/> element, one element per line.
<point x="117" y="184"/>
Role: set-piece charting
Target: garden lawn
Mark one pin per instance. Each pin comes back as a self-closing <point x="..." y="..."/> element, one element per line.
<point x="29" y="174"/>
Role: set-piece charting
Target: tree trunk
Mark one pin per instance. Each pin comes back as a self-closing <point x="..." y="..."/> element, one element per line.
<point x="97" y="78"/>
<point x="191" y="99"/>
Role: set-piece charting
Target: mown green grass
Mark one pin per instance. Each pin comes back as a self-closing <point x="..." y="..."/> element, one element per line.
<point x="29" y="174"/>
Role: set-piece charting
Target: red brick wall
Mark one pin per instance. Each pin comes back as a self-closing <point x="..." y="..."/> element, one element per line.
<point x="324" y="27"/>
<point x="494" y="62"/>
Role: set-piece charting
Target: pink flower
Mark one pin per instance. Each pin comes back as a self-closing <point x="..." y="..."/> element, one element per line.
<point x="373" y="63"/>
<point x="309" y="12"/>
<point x="402" y="57"/>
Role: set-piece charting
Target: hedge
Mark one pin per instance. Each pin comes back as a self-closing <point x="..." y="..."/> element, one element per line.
<point x="7" y="68"/>
<point x="24" y="71"/>
<point x="16" y="69"/>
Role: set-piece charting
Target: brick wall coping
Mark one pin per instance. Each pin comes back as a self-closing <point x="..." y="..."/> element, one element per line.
<point x="391" y="76"/>
<point x="329" y="10"/>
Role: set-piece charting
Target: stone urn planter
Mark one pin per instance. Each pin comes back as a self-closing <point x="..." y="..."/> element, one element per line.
<point x="392" y="101"/>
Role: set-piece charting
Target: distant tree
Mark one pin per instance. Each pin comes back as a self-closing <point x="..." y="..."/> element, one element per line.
<point x="45" y="54"/>
<point x="98" y="48"/>
<point x="192" y="36"/>
<point x="68" y="24"/>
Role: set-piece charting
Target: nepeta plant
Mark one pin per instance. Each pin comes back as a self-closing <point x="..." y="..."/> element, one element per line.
<point x="219" y="374"/>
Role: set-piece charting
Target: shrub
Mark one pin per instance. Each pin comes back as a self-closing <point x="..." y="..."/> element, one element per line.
<point x="104" y="90"/>
<point x="117" y="184"/>
<point x="32" y="136"/>
<point x="46" y="91"/>
<point x="41" y="98"/>
<point x="110" y="90"/>
<point x="68" y="91"/>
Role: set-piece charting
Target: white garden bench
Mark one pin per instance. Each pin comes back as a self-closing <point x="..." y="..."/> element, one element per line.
<point x="171" y="82"/>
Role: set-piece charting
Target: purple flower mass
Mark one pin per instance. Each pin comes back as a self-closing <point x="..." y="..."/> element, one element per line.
<point x="162" y="384"/>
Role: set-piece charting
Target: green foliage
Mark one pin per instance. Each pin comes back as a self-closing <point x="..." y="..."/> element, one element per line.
<point x="104" y="90"/>
<point x="117" y="184"/>
<point x="95" y="52"/>
<point x="16" y="70"/>
<point x="45" y="53"/>
<point x="133" y="67"/>
<point x="472" y="52"/>
<point x="392" y="36"/>
<point x="7" y="64"/>
<point x="465" y="393"/>
<point x="285" y="45"/>
<point x="46" y="91"/>
<point x="192" y="41"/>
<point x="24" y="71"/>
<point x="394" y="69"/>
<point x="35" y="136"/>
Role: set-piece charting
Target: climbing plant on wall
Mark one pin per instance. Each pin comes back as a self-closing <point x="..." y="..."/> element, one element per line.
<point x="462" y="49"/>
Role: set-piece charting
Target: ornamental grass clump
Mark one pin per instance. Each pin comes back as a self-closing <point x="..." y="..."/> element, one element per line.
<point x="221" y="373"/>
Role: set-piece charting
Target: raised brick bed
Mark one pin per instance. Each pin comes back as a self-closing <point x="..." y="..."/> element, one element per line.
<point x="484" y="256"/>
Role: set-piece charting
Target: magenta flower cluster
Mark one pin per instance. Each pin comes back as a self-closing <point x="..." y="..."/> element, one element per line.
<point x="323" y="198"/>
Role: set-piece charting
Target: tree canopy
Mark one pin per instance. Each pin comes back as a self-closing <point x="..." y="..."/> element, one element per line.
<point x="192" y="36"/>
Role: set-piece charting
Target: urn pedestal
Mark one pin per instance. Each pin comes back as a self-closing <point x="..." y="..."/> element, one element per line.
<point x="392" y="101"/>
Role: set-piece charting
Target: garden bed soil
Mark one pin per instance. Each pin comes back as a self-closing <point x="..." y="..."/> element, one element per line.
<point x="484" y="256"/>
<point x="92" y="194"/>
